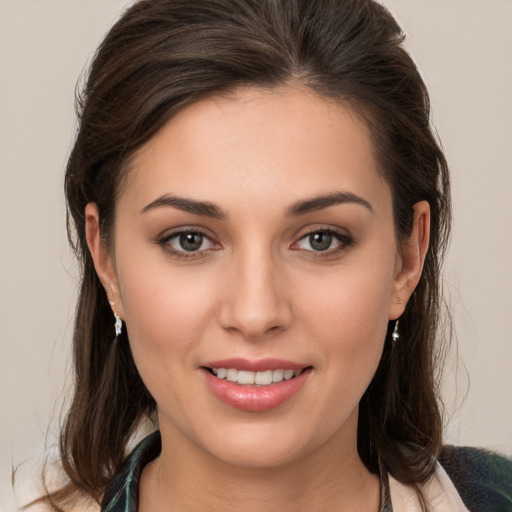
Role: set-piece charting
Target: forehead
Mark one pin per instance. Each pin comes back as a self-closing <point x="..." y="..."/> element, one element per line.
<point x="279" y="144"/>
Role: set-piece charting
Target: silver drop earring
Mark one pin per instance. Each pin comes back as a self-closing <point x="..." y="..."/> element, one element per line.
<point x="118" y="325"/>
<point x="395" y="336"/>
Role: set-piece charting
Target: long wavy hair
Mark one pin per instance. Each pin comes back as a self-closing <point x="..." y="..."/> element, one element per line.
<point x="163" y="55"/>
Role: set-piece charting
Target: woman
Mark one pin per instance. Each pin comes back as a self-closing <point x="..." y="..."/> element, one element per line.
<point x="261" y="210"/>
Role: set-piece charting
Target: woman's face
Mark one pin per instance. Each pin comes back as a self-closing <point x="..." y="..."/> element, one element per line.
<point x="254" y="239"/>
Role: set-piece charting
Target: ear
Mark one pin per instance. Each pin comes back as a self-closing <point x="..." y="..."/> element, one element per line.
<point x="102" y="258"/>
<point x="410" y="261"/>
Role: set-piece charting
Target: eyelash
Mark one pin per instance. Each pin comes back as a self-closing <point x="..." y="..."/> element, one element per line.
<point x="345" y="241"/>
<point x="183" y="254"/>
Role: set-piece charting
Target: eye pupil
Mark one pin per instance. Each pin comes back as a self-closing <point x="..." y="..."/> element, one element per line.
<point x="320" y="241"/>
<point x="191" y="241"/>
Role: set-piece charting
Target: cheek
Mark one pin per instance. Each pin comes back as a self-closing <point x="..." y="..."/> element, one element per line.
<point x="167" y="316"/>
<point x="342" y="322"/>
<point x="352" y="302"/>
<point x="348" y="314"/>
<point x="166" y="311"/>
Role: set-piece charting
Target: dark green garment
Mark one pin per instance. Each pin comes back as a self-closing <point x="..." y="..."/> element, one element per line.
<point x="482" y="478"/>
<point x="122" y="495"/>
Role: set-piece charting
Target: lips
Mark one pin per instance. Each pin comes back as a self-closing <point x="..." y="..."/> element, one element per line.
<point x="256" y="365"/>
<point x="255" y="385"/>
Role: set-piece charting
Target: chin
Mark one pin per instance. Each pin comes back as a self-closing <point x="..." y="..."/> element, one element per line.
<point x="257" y="456"/>
<point x="265" y="446"/>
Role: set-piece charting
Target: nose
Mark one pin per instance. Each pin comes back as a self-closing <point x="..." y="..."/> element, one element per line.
<point x="255" y="301"/>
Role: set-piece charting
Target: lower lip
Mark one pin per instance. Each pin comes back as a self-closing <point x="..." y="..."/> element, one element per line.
<point x="255" y="398"/>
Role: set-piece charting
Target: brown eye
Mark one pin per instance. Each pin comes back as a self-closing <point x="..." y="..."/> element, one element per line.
<point x="191" y="241"/>
<point x="187" y="243"/>
<point x="324" y="241"/>
<point x="320" y="241"/>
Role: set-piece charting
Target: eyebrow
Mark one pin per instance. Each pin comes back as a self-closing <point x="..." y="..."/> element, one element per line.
<point x="204" y="208"/>
<point x="302" y="207"/>
<point x="324" y="201"/>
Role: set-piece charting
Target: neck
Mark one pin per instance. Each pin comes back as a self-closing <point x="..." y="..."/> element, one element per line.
<point x="329" y="478"/>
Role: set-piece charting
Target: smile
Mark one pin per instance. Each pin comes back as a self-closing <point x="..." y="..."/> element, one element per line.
<point x="246" y="377"/>
<point x="255" y="386"/>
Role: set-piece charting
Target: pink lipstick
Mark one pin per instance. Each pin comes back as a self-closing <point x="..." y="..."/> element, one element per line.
<point x="257" y="385"/>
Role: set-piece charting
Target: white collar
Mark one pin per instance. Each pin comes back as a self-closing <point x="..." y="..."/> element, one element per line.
<point x="439" y="492"/>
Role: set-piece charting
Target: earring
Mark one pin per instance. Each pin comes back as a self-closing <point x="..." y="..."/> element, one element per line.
<point x="396" y="335"/>
<point x="118" y="325"/>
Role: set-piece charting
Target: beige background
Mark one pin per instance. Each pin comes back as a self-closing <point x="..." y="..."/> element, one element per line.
<point x="463" y="48"/>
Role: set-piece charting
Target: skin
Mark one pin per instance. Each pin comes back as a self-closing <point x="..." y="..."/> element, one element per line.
<point x="257" y="288"/>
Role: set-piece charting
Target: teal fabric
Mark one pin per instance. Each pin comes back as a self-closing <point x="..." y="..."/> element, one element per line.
<point x="482" y="478"/>
<point x="122" y="495"/>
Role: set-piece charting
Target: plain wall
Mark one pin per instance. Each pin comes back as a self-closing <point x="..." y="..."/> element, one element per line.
<point x="463" y="49"/>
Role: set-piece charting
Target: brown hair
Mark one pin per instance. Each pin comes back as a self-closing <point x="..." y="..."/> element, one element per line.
<point x="165" y="54"/>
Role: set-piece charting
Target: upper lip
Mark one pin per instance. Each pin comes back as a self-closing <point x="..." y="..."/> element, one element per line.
<point x="258" y="365"/>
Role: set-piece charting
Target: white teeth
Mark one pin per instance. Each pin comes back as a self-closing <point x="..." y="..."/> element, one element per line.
<point x="277" y="375"/>
<point x="264" y="378"/>
<point x="245" y="377"/>
<point x="232" y="375"/>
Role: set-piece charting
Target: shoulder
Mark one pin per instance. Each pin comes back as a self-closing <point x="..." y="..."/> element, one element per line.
<point x="123" y="490"/>
<point x="34" y="478"/>
<point x="482" y="478"/>
<point x="46" y="507"/>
